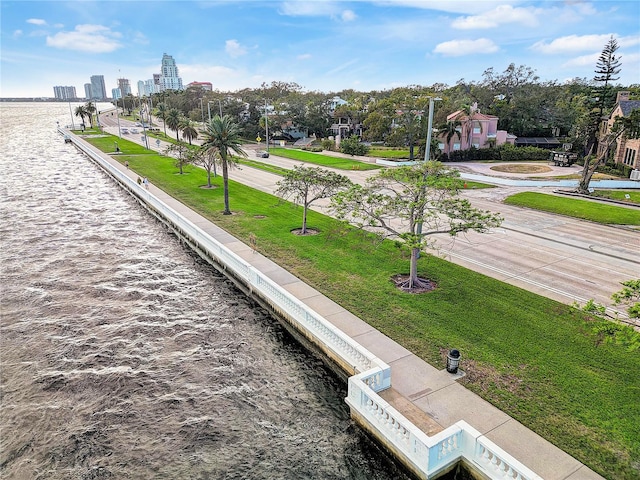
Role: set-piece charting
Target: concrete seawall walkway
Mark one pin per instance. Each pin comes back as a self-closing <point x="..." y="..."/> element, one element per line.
<point x="430" y="398"/>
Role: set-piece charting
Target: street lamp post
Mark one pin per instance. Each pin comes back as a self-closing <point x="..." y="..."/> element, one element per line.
<point x="427" y="147"/>
<point x="266" y="124"/>
<point x="202" y="111"/>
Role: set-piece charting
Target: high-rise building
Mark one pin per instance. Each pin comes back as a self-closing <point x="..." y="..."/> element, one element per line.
<point x="64" y="93"/>
<point x="98" y="89"/>
<point x="169" y="78"/>
<point x="124" y="86"/>
<point x="87" y="91"/>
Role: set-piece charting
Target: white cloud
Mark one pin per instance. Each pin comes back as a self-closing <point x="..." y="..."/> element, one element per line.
<point x="317" y="9"/>
<point x="572" y="44"/>
<point x="17" y="33"/>
<point x="304" y="56"/>
<point x="470" y="7"/>
<point x="36" y="21"/>
<point x="583" y="61"/>
<point x="309" y="9"/>
<point x="234" y="49"/>
<point x="348" y="16"/>
<point x="86" y="38"/>
<point x="459" y="48"/>
<point x="501" y="15"/>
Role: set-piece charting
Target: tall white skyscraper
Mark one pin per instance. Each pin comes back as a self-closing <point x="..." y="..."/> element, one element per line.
<point x="169" y="78"/>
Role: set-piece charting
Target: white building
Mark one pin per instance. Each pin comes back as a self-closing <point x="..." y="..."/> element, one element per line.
<point x="64" y="93"/>
<point x="169" y="78"/>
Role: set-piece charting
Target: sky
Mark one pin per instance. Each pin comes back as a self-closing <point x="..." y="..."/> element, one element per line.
<point x="324" y="46"/>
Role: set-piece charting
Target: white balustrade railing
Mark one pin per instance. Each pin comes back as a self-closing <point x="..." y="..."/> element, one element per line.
<point x="432" y="455"/>
<point x="429" y="455"/>
<point x="309" y="321"/>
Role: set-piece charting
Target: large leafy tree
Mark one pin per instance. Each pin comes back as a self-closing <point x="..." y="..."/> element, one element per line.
<point x="412" y="204"/>
<point x="305" y="185"/>
<point x="207" y="158"/>
<point x="224" y="134"/>
<point x="182" y="153"/>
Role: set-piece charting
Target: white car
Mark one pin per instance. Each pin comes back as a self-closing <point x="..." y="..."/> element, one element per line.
<point x="134" y="130"/>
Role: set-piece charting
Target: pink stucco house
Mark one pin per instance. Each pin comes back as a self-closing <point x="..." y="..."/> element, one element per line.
<point x="472" y="129"/>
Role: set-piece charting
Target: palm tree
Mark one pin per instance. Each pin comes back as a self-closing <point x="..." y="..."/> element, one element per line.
<point x="449" y="130"/>
<point x="90" y="108"/>
<point x="188" y="129"/>
<point x="81" y="112"/>
<point x="162" y="110"/>
<point x="173" y="120"/>
<point x="224" y="134"/>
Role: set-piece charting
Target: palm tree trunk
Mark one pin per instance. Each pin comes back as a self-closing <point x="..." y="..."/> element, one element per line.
<point x="225" y="181"/>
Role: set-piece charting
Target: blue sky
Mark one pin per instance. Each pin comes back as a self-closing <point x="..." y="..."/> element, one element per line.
<point x="321" y="45"/>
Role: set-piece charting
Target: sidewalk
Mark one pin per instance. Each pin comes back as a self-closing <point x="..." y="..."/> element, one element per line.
<point x="430" y="398"/>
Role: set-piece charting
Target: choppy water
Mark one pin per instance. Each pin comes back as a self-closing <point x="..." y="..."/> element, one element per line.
<point x="125" y="356"/>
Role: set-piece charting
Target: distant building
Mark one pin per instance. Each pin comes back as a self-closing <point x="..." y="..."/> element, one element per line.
<point x="116" y="93"/>
<point x="169" y="77"/>
<point x="87" y="91"/>
<point x="64" y="93"/>
<point x="124" y="86"/>
<point x="204" y="85"/>
<point x="627" y="149"/>
<point x="473" y="130"/>
<point x="98" y="88"/>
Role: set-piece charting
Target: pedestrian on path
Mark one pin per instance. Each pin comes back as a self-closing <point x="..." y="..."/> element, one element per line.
<point x="126" y="164"/>
<point x="146" y="183"/>
<point x="139" y="181"/>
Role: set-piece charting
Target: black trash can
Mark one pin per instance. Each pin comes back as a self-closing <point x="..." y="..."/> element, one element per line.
<point x="453" y="361"/>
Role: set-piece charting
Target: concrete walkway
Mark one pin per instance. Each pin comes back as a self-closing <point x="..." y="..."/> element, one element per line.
<point x="430" y="398"/>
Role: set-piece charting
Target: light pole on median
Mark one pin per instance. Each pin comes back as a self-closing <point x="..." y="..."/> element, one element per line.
<point x="427" y="147"/>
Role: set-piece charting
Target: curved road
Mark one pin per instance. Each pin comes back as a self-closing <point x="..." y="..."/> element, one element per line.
<point x="562" y="258"/>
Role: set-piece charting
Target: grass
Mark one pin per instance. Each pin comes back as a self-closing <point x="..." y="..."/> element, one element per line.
<point x="534" y="358"/>
<point x="389" y="153"/>
<point x="324" y="160"/>
<point x="575" y="207"/>
<point x="619" y="195"/>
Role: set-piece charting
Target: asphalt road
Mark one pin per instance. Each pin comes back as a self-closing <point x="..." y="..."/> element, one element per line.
<point x="562" y="258"/>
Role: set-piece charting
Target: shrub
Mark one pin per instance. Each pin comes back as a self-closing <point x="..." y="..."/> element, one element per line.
<point x="352" y="146"/>
<point x="328" y="144"/>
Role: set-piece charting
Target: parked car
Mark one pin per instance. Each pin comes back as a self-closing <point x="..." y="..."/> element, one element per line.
<point x="134" y="130"/>
<point x="262" y="154"/>
<point x="124" y="130"/>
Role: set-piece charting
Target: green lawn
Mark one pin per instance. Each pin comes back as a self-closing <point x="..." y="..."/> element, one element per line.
<point x="576" y="207"/>
<point x="324" y="160"/>
<point x="536" y="359"/>
<point x="620" y="195"/>
<point x="390" y="153"/>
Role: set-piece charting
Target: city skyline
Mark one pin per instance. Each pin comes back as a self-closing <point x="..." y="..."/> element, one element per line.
<point x="325" y="45"/>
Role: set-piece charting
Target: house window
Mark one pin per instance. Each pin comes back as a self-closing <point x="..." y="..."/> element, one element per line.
<point x="456" y="146"/>
<point x="629" y="157"/>
<point x="477" y="129"/>
<point x="441" y="146"/>
<point x="476" y="145"/>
